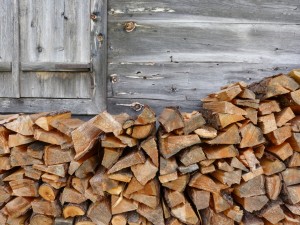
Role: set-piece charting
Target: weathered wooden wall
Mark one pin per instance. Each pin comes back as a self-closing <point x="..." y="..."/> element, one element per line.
<point x="182" y="50"/>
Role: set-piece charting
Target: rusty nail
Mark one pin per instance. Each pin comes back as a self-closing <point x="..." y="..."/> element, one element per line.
<point x="129" y="26"/>
<point x="93" y="17"/>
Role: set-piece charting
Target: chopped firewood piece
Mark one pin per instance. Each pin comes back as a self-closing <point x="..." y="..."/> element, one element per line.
<point x="19" y="157"/>
<point x="66" y="126"/>
<point x="142" y="131"/>
<point x="80" y="185"/>
<point x="107" y="123"/>
<point x="36" y="149"/>
<point x="97" y="180"/>
<point x="173" y="221"/>
<point x="220" y="204"/>
<point x="229" y="136"/>
<point x="251" y="115"/>
<point x="203" y="182"/>
<point x="227" y="94"/>
<point x="4" y="146"/>
<point x="247" y="94"/>
<point x="59" y="170"/>
<point x="223" y="165"/>
<point x="206" y="132"/>
<point x="119" y="220"/>
<point x="278" y="136"/>
<point x="282" y="151"/>
<point x="251" y="219"/>
<point x="172" y="144"/>
<point x="129" y="160"/>
<point x="267" y="123"/>
<point x="224" y="107"/>
<point x="273" y="186"/>
<point x="147" y="116"/>
<point x="120" y="204"/>
<point x="253" y="187"/>
<point x="235" y="163"/>
<point x="55" y="155"/>
<point x="167" y="166"/>
<point x="84" y="220"/>
<point x="122" y="175"/>
<point x="53" y="137"/>
<point x="179" y="184"/>
<point x="54" y="180"/>
<point x="252" y="103"/>
<point x="133" y="186"/>
<point x="220" y="151"/>
<point x="268" y="107"/>
<point x="168" y="177"/>
<point x="19" y="139"/>
<point x="273" y="213"/>
<point x="100" y="212"/>
<point x="284" y="116"/>
<point x="24" y="188"/>
<point x="72" y="196"/>
<point x="17" y="207"/>
<point x="207" y="169"/>
<point x="188" y="169"/>
<point x="209" y="217"/>
<point x="46" y="207"/>
<point x="16" y="175"/>
<point x="192" y="121"/>
<point x="5" y="163"/>
<point x="45" y="121"/>
<point x="22" y="125"/>
<point x="295" y="124"/>
<point x="207" y="162"/>
<point x="155" y="216"/>
<point x="47" y="192"/>
<point x="171" y="119"/>
<point x="251" y="136"/>
<point x="253" y="203"/>
<point x="87" y="167"/>
<point x="274" y="86"/>
<point x="126" y="140"/>
<point x="228" y="178"/>
<point x="38" y="219"/>
<point x="85" y="137"/>
<point x="292" y="194"/>
<point x="7" y="118"/>
<point x="5" y="193"/>
<point x="291" y="176"/>
<point x="150" y="147"/>
<point x="185" y="213"/>
<point x="72" y="210"/>
<point x="294" y="161"/>
<point x="192" y="155"/>
<point x="235" y="213"/>
<point x="149" y="171"/>
<point x="295" y="75"/>
<point x="294" y="141"/>
<point x="63" y="221"/>
<point x="173" y="198"/>
<point x="110" y="141"/>
<point x="199" y="198"/>
<point x="151" y="201"/>
<point x="111" y="156"/>
<point x="272" y="165"/>
<point x="134" y="218"/>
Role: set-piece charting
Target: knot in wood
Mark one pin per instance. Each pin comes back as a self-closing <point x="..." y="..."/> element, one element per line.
<point x="93" y="17"/>
<point x="129" y="26"/>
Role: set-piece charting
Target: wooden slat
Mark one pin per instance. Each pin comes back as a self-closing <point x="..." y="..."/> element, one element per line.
<point x="234" y="11"/>
<point x="193" y="41"/>
<point x="98" y="43"/>
<point x="5" y="66"/>
<point x="183" y="81"/>
<point x="31" y="105"/>
<point x="16" y="52"/>
<point x="55" y="67"/>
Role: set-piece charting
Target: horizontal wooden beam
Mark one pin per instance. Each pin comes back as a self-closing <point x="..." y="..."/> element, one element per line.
<point x="55" y="67"/>
<point x="5" y="66"/>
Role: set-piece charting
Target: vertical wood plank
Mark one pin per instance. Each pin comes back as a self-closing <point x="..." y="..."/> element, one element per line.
<point x="16" y="52"/>
<point x="99" y="51"/>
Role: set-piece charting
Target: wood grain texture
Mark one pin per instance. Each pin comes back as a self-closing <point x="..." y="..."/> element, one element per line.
<point x="55" y="67"/>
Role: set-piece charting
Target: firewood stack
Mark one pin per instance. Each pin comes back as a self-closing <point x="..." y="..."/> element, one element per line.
<point x="235" y="161"/>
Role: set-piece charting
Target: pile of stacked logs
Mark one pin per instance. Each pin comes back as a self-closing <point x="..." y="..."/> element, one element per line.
<point x="235" y="161"/>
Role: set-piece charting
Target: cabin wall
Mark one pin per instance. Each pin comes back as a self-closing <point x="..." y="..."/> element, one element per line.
<point x="182" y="50"/>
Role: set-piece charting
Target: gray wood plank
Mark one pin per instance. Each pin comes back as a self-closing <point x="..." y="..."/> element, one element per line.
<point x="5" y="67"/>
<point x="16" y="52"/>
<point x="55" y="31"/>
<point x="31" y="105"/>
<point x="55" y="67"/>
<point x="6" y="84"/>
<point x="183" y="81"/>
<point x="165" y="41"/>
<point x="99" y="52"/>
<point x="119" y="105"/>
<point x="56" y="84"/>
<point x="237" y="11"/>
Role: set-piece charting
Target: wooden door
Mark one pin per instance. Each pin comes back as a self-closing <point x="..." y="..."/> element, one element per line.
<point x="53" y="55"/>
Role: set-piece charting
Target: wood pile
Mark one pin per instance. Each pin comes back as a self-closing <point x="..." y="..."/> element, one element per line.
<point x="235" y="161"/>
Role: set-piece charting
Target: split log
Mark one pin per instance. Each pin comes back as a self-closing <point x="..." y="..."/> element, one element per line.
<point x="44" y="121"/>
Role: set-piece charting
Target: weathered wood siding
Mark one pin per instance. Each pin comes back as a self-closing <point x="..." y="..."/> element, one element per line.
<point x="182" y="50"/>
